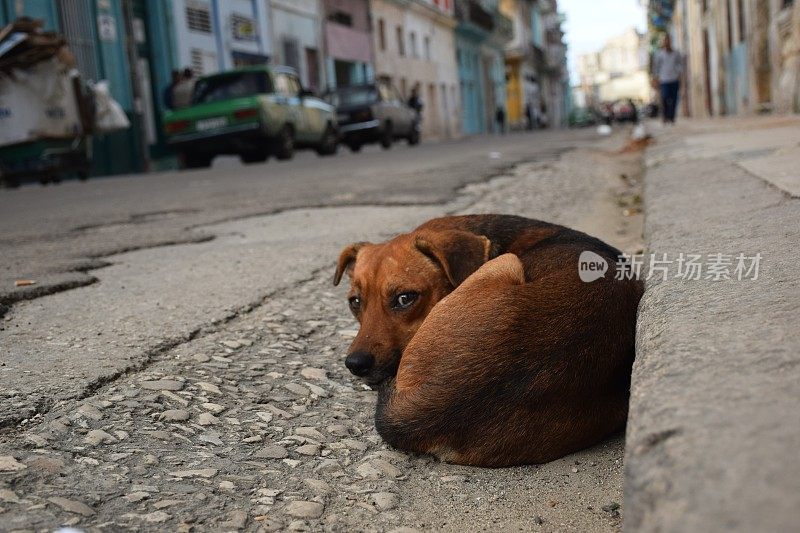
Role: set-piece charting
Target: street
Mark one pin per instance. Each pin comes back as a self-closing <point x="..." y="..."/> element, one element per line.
<point x="179" y="360"/>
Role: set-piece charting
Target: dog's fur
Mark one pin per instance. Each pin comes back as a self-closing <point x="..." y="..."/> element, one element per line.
<point x="505" y="357"/>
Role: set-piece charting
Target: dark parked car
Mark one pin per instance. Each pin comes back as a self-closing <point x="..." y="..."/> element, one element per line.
<point x="373" y="113"/>
<point x="625" y="111"/>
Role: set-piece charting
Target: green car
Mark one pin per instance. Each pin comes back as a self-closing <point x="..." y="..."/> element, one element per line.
<point x="252" y="112"/>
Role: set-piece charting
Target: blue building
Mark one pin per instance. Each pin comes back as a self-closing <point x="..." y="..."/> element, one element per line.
<point x="481" y="35"/>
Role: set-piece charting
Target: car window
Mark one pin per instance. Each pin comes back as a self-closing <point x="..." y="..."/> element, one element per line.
<point x="294" y="85"/>
<point x="282" y="85"/>
<point x="386" y="92"/>
<point x="233" y="85"/>
<point x="353" y="96"/>
<point x="287" y="85"/>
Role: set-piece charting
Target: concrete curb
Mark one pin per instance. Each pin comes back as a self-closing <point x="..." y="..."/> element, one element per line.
<point x="714" y="427"/>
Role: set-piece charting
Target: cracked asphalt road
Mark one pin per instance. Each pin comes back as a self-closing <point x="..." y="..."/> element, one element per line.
<point x="58" y="235"/>
<point x="195" y="382"/>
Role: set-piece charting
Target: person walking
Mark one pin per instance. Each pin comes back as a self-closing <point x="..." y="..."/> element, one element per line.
<point x="500" y="118"/>
<point x="667" y="70"/>
<point x="170" y="89"/>
<point x="415" y="100"/>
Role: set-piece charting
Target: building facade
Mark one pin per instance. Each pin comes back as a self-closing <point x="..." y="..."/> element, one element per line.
<point x="481" y="36"/>
<point x="619" y="70"/>
<point x="523" y="61"/>
<point x="414" y="46"/>
<point x="742" y="56"/>
<point x="297" y="37"/>
<point x="349" y="54"/>
<point x="215" y="35"/>
<point x="556" y="99"/>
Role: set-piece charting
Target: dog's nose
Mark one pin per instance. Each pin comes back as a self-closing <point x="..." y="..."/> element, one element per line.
<point x="359" y="363"/>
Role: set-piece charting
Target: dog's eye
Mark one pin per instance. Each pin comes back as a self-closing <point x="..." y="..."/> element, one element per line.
<point x="355" y="304"/>
<point x="404" y="300"/>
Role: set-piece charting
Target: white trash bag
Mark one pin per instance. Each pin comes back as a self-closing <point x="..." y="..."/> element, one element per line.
<point x="109" y="115"/>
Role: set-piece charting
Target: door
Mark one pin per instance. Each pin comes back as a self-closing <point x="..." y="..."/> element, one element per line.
<point x="312" y="61"/>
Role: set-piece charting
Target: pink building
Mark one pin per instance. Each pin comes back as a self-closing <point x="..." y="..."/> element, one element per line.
<point x="348" y="42"/>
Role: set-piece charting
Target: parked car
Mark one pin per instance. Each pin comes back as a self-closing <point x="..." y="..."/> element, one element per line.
<point x="252" y="112"/>
<point x="373" y="113"/>
<point x="582" y="117"/>
<point x="625" y="111"/>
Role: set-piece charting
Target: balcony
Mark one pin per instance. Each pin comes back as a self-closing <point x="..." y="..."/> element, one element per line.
<point x="503" y="27"/>
<point x="472" y="12"/>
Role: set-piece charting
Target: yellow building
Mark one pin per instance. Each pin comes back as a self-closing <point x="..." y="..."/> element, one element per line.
<point x="523" y="85"/>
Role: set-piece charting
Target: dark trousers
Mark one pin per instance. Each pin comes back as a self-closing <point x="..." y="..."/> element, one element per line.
<point x="669" y="100"/>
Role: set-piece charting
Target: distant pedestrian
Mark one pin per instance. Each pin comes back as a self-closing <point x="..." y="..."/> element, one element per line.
<point x="529" y="118"/>
<point x="543" y="120"/>
<point x="169" y="89"/>
<point x="667" y="70"/>
<point x="415" y="101"/>
<point x="500" y="117"/>
<point x="182" y="92"/>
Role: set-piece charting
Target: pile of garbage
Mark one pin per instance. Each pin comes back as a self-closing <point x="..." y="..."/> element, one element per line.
<point x="23" y="44"/>
<point x="42" y="95"/>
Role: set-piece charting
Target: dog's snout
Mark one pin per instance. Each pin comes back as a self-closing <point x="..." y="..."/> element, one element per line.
<point x="359" y="363"/>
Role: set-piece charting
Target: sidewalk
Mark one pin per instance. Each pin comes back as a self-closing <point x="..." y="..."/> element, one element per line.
<point x="714" y="428"/>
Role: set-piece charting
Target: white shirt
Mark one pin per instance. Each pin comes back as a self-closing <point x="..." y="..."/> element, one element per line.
<point x="667" y="66"/>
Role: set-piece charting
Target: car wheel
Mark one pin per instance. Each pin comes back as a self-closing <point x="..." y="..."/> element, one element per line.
<point x="8" y="183"/>
<point x="284" y="144"/>
<point x="387" y="137"/>
<point x="330" y="142"/>
<point x="253" y="157"/>
<point x="415" y="136"/>
<point x="191" y="160"/>
<point x="354" y="147"/>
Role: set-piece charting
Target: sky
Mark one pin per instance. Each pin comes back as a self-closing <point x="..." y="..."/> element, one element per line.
<point x="590" y="23"/>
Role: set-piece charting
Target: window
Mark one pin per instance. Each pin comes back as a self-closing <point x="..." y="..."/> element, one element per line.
<point x="198" y="17"/>
<point x="730" y="25"/>
<point x="742" y="26"/>
<point x="340" y="17"/>
<point x="401" y="45"/>
<point x="291" y="53"/>
<point x="243" y="28"/>
<point x="203" y="61"/>
<point x="412" y="44"/>
<point x="428" y="48"/>
<point x="382" y="34"/>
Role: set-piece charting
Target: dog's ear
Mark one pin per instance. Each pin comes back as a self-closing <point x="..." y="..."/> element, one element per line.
<point x="458" y="253"/>
<point x="346" y="260"/>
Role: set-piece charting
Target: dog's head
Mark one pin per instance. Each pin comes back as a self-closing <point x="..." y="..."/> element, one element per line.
<point x="393" y="287"/>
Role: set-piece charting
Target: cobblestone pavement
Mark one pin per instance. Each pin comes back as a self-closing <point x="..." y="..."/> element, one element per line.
<point x="255" y="424"/>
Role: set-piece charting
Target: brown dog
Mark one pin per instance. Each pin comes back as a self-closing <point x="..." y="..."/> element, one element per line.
<point x="485" y="345"/>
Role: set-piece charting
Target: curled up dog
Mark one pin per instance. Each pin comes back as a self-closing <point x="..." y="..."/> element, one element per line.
<point x="485" y="346"/>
